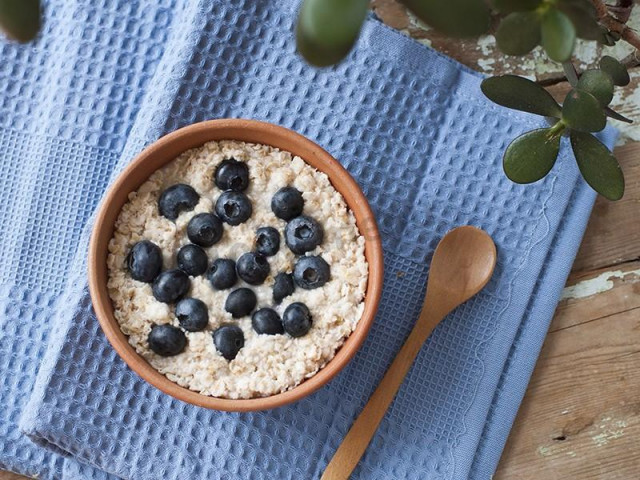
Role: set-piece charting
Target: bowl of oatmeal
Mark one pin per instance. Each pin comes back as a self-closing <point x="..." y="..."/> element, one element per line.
<point x="235" y="265"/>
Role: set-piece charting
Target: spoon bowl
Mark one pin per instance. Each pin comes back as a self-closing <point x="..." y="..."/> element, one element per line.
<point x="462" y="264"/>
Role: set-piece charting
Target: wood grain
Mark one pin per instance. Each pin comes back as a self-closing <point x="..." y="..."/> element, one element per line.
<point x="581" y="415"/>
<point x="598" y="294"/>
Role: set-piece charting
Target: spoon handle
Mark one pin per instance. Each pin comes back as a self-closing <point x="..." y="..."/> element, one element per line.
<point x="348" y="455"/>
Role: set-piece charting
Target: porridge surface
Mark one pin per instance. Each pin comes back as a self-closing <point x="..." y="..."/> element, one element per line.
<point x="266" y="364"/>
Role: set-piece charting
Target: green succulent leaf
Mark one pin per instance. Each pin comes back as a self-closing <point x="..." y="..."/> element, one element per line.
<point x="571" y="73"/>
<point x="328" y="29"/>
<point x="520" y="93"/>
<point x="607" y="38"/>
<point x="598" y="165"/>
<point x="531" y="156"/>
<point x="519" y="33"/>
<point x="458" y="18"/>
<point x="508" y="6"/>
<point x="615" y="36"/>
<point x="582" y="111"/>
<point x="598" y="84"/>
<point x="20" y="19"/>
<point x="558" y="35"/>
<point x="583" y="16"/>
<point x="616" y="70"/>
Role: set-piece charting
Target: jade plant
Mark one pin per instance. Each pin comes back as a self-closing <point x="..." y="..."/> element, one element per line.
<point x="532" y="155"/>
<point x="326" y="31"/>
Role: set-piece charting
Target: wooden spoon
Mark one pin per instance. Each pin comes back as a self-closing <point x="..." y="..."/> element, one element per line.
<point x="461" y="266"/>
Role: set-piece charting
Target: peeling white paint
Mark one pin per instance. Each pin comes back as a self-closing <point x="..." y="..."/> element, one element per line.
<point x="487" y="44"/>
<point x="486" y="64"/>
<point x="593" y="286"/>
<point x="416" y="22"/>
<point x="555" y="449"/>
<point x="586" y="52"/>
<point x="610" y="431"/>
<point x="544" y="451"/>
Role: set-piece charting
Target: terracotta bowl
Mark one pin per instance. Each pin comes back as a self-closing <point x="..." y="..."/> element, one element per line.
<point x="163" y="151"/>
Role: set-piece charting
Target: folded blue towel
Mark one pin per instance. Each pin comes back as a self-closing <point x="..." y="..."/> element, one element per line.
<point x="409" y="124"/>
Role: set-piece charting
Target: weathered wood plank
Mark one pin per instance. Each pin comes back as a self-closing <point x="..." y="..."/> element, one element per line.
<point x="599" y="294"/>
<point x="581" y="415"/>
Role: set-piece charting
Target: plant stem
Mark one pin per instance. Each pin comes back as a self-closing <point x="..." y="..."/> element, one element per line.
<point x="621" y="10"/>
<point x="615" y="25"/>
<point x="630" y="61"/>
<point x="557" y="129"/>
<point x="601" y="8"/>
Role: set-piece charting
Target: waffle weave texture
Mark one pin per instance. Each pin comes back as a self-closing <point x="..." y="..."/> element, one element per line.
<point x="108" y="77"/>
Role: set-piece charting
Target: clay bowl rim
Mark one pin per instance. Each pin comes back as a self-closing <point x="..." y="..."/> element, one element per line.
<point x="160" y="153"/>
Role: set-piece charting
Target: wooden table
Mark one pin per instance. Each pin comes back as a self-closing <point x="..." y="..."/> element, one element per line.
<point x="580" y="418"/>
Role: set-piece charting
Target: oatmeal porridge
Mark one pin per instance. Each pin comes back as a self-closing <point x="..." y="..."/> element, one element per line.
<point x="237" y="270"/>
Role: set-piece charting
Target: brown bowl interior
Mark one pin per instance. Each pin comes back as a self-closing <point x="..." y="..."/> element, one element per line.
<point x="163" y="151"/>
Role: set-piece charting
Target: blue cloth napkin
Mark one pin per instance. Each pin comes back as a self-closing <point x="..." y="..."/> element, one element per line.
<point x="410" y="125"/>
<point x="67" y="104"/>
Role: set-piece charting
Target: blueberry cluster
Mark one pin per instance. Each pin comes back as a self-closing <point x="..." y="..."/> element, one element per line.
<point x="302" y="234"/>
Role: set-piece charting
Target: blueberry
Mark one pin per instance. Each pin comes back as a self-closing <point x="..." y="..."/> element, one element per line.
<point x="303" y="234"/>
<point x="228" y="340"/>
<point x="240" y="302"/>
<point x="233" y="208"/>
<point x="287" y="203"/>
<point x="192" y="260"/>
<point x="166" y="340"/>
<point x="311" y="272"/>
<point x="192" y="314"/>
<point x="144" y="261"/>
<point x="253" y="268"/>
<point x="267" y="320"/>
<point x="267" y="241"/>
<point x="170" y="286"/>
<point x="232" y="175"/>
<point x="283" y="286"/>
<point x="204" y="229"/>
<point x="222" y="273"/>
<point x="296" y="319"/>
<point x="177" y="199"/>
